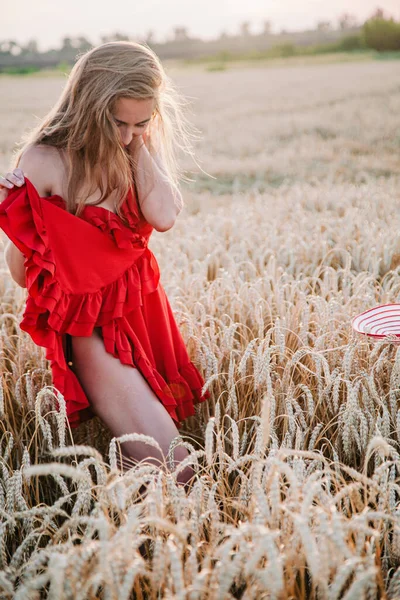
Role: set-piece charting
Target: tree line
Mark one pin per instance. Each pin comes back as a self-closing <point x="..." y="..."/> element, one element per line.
<point x="379" y="32"/>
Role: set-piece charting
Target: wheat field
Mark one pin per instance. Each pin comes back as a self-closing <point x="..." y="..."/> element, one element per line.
<point x="291" y="227"/>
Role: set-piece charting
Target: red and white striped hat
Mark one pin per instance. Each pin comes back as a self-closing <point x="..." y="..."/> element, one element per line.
<point x="379" y="322"/>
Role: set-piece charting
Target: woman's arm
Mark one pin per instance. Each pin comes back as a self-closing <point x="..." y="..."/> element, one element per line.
<point x="35" y="162"/>
<point x="15" y="262"/>
<point x="162" y="204"/>
<point x="13" y="257"/>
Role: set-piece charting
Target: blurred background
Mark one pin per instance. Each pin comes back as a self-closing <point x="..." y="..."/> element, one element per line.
<point x="282" y="94"/>
<point x="47" y="35"/>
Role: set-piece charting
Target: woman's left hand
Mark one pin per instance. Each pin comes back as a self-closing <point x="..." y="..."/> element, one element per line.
<point x="151" y="136"/>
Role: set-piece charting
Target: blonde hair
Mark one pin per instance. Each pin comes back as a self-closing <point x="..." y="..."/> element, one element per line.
<point x="81" y="121"/>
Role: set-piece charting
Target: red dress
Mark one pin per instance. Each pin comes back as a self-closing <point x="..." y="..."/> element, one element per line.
<point x="94" y="271"/>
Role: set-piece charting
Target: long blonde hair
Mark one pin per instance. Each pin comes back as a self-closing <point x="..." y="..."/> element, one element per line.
<point x="81" y="121"/>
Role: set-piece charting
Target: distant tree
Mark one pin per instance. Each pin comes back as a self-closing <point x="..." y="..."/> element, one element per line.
<point x="378" y="14"/>
<point x="114" y="37"/>
<point x="83" y="43"/>
<point x="66" y="44"/>
<point x="245" y="29"/>
<point x="31" y="47"/>
<point x="149" y="38"/>
<point x="381" y="34"/>
<point x="120" y="37"/>
<point x="285" y="50"/>
<point x="324" y="26"/>
<point x="10" y="47"/>
<point x="347" y="21"/>
<point x="180" y="34"/>
<point x="267" y="25"/>
<point x="15" y="48"/>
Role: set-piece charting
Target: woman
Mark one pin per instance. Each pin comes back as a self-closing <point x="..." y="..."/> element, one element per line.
<point x="101" y="168"/>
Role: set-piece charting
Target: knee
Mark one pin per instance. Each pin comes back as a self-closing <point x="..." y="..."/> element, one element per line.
<point x="185" y="477"/>
<point x="180" y="453"/>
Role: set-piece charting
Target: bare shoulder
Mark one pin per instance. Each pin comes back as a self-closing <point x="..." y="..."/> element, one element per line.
<point x="43" y="166"/>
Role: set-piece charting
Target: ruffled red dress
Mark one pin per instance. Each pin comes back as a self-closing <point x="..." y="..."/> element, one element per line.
<point x="94" y="271"/>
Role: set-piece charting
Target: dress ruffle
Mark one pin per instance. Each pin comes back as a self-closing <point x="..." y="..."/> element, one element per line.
<point x="110" y="223"/>
<point x="55" y="308"/>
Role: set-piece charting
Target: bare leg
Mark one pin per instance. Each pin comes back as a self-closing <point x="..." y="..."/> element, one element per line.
<point x="124" y="401"/>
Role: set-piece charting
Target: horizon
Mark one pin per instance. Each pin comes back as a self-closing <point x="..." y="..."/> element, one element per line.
<point x="96" y="19"/>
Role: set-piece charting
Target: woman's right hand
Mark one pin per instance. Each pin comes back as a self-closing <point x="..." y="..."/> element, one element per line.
<point x="9" y="181"/>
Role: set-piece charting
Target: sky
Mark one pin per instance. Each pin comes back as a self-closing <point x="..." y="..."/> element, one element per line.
<point x="48" y="21"/>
